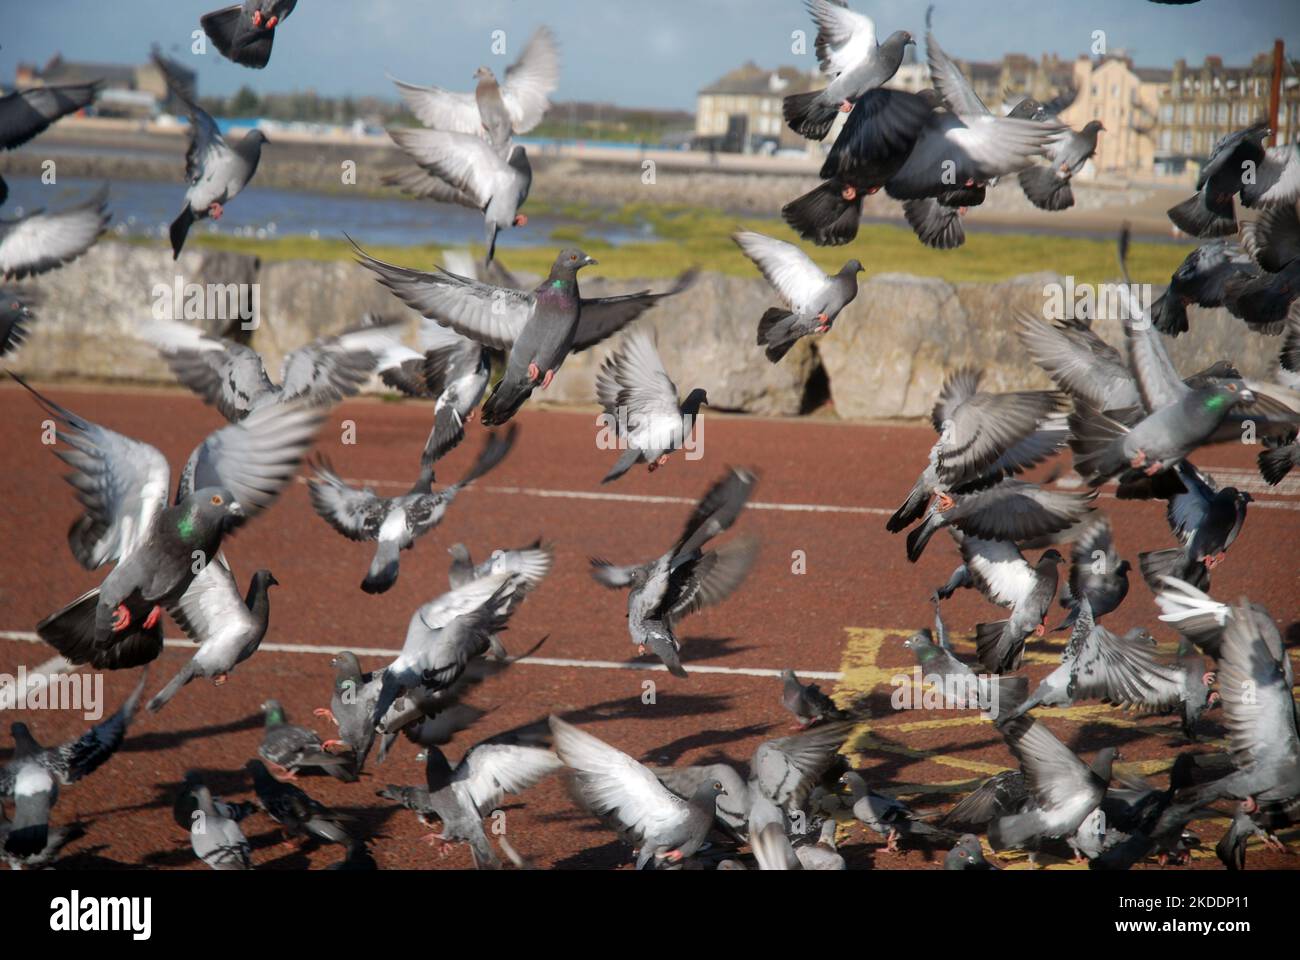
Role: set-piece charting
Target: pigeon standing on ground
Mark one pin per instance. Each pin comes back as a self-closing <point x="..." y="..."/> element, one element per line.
<point x="478" y="176"/>
<point x="234" y="473"/>
<point x="891" y="818"/>
<point x="641" y="405"/>
<point x="539" y="329"/>
<point x="288" y="748"/>
<point x="26" y="113"/>
<point x="33" y="775"/>
<point x="628" y="797"/>
<point x="495" y="110"/>
<point x="1048" y="185"/>
<point x="462" y="796"/>
<point x="352" y="708"/>
<point x="394" y="522"/>
<point x="813" y="298"/>
<point x="228" y="628"/>
<point x="38" y="242"/>
<point x="686" y="578"/>
<point x="297" y="813"/>
<point x="822" y="855"/>
<point x="232" y="376"/>
<point x="245" y="32"/>
<point x="217" y="839"/>
<point x="807" y="703"/>
<point x="847" y="53"/>
<point x="215" y="170"/>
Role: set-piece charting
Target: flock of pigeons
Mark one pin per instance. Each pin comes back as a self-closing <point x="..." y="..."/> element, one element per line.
<point x="1128" y="416"/>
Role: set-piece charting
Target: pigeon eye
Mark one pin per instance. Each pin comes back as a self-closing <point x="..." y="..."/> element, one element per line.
<point x="1232" y="388"/>
<point x="216" y="499"/>
<point x="573" y="256"/>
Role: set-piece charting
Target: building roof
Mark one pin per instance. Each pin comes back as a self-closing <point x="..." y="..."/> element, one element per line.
<point x="753" y="79"/>
<point x="1153" y="74"/>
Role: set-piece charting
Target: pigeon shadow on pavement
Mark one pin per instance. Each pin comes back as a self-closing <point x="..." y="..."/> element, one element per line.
<point x="166" y="739"/>
<point x="702" y="649"/>
<point x="671" y="752"/>
<point x="631" y="708"/>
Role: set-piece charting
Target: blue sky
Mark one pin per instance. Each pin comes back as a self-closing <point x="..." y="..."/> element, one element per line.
<point x="631" y="52"/>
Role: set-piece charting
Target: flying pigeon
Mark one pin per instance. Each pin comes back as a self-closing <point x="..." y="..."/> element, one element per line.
<point x="1205" y="519"/>
<point x="26" y="113"/>
<point x="812" y="298"/>
<point x="395" y="522"/>
<point x="1209" y="212"/>
<point x="539" y="329"/>
<point x="641" y="404"/>
<point x="232" y="376"/>
<point x="33" y="775"/>
<point x="38" y="242"/>
<point x="890" y="817"/>
<point x="959" y="685"/>
<point x="1000" y="795"/>
<point x="227" y="627"/>
<point x="1065" y="791"/>
<point x="495" y="110"/>
<point x="628" y="797"/>
<point x="245" y="32"/>
<point x="982" y="437"/>
<point x="1202" y="278"/>
<point x="1097" y="574"/>
<point x="1279" y="456"/>
<point x="686" y="577"/>
<point x="782" y="774"/>
<point x="444" y="635"/>
<point x="455" y="371"/>
<point x="847" y="53"/>
<point x="289" y="748"/>
<point x="1263" y="297"/>
<point x="297" y="813"/>
<point x="807" y="703"/>
<point x="16" y="318"/>
<point x="236" y="472"/>
<point x="527" y="566"/>
<point x="1048" y="185"/>
<point x="1277" y="178"/>
<point x="216" y="837"/>
<point x="478" y="177"/>
<point x="215" y="170"/>
<point x="462" y="796"/>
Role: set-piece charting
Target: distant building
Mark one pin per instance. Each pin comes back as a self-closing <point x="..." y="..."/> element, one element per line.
<point x="1200" y="105"/>
<point x="741" y="112"/>
<point x="1003" y="83"/>
<point x="1125" y="99"/>
<point x="129" y="90"/>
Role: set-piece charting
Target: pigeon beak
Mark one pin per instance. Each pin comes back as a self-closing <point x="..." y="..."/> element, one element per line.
<point x="1247" y="396"/>
<point x="235" y="509"/>
<point x="272" y="582"/>
<point x="589" y="261"/>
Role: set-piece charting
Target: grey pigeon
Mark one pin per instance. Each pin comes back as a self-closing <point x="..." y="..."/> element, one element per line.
<point x="1277" y="178"/>
<point x="232" y="376"/>
<point x="772" y="848"/>
<point x="1065" y="791"/>
<point x="812" y="299"/>
<point x="1199" y="618"/>
<point x="289" y="748"/>
<point x="297" y="813"/>
<point x="1263" y="299"/>
<point x="1048" y="185"/>
<point x="352" y="707"/>
<point x="16" y="318"/>
<point x="967" y="855"/>
<point x="539" y="329"/>
<point x="454" y="371"/>
<point x="1255" y="821"/>
<point x="227" y="627"/>
<point x="959" y="686"/>
<point x="822" y="855"/>
<point x="444" y="635"/>
<point x="1209" y="212"/>
<point x="41" y="241"/>
<point x="527" y="567"/>
<point x="56" y="839"/>
<point x="848" y="53"/>
<point x="478" y="177"/>
<point x="215" y="171"/>
<point x="1097" y="664"/>
<point x="1097" y="574"/>
<point x="187" y="801"/>
<point x="236" y="472"/>
<point x="245" y="32"/>
<point x="216" y="838"/>
<point x="629" y="798"/>
<point x="462" y="796"/>
<point x="1279" y="457"/>
<point x="890" y="817"/>
<point x="807" y="703"/>
<point x="1205" y="519"/>
<point x="982" y="436"/>
<point x="26" y="113"/>
<point x="496" y="109"/>
<point x="641" y="404"/>
<point x="1255" y="684"/>
<point x="33" y="775"/>
<point x="686" y="578"/>
<point x="1000" y="795"/>
<point x="1202" y="278"/>
<point x="1004" y="577"/>
<point x="394" y="522"/>
<point x="782" y="775"/>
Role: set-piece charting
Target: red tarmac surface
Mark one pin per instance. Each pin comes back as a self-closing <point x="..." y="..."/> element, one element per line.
<point x="847" y="477"/>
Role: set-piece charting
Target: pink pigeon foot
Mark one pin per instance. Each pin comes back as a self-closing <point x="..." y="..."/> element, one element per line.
<point x="220" y="679"/>
<point x="121" y="618"/>
<point x="151" y="621"/>
<point x="257" y="18"/>
<point x="546" y="380"/>
<point x="270" y="24"/>
<point x="325" y="713"/>
<point x="845" y="107"/>
<point x="521" y="219"/>
<point x="849" y="193"/>
<point x="215" y="210"/>
<point x="533" y="372"/>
